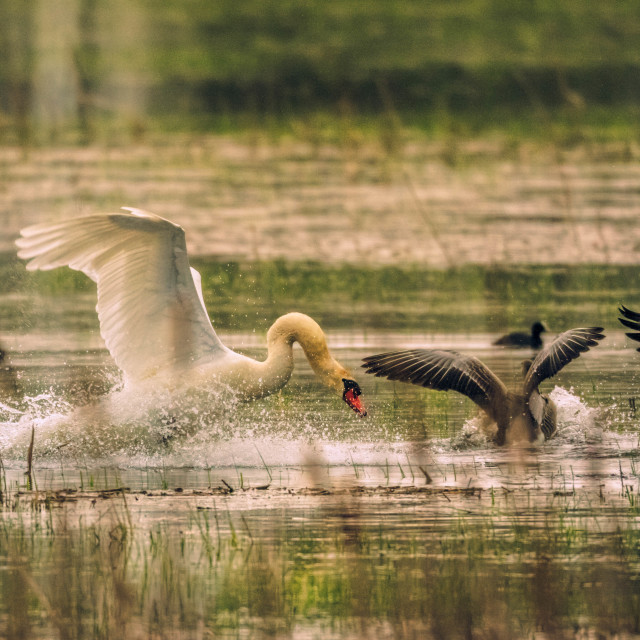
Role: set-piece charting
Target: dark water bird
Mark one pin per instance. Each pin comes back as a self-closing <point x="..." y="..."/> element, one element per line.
<point x="526" y="415"/>
<point x="631" y="320"/>
<point x="520" y="339"/>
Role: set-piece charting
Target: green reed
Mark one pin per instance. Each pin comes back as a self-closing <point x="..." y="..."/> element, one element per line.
<point x="497" y="560"/>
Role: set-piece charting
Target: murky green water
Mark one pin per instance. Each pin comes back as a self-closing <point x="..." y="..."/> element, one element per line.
<point x="290" y="517"/>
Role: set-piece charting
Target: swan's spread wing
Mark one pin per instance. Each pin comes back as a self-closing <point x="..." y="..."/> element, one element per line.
<point x="442" y="370"/>
<point x="632" y="321"/>
<point x="152" y="314"/>
<point x="565" y="348"/>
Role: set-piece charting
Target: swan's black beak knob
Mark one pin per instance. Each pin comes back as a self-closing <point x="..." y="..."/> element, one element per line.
<point x="351" y="395"/>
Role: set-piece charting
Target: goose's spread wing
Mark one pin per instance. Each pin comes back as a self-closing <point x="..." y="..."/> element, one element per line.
<point x="150" y="305"/>
<point x="566" y="347"/>
<point x="632" y="321"/>
<point x="443" y="370"/>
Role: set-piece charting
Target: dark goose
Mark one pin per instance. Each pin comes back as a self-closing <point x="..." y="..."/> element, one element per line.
<point x="525" y="415"/>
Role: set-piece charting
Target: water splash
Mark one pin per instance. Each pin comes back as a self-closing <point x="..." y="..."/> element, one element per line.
<point x="203" y="429"/>
<point x="476" y="433"/>
<point x="190" y="428"/>
<point x="124" y="422"/>
<point x="577" y="423"/>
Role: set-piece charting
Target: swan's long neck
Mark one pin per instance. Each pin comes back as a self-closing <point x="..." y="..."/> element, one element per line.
<point x="297" y="327"/>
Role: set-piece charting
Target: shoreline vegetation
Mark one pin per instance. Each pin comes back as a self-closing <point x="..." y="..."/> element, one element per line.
<point x="566" y="72"/>
<point x="457" y="138"/>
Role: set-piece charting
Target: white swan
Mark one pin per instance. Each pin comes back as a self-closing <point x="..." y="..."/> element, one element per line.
<point x="152" y="313"/>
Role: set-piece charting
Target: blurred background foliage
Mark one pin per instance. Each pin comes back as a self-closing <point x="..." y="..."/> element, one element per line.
<point x="82" y="69"/>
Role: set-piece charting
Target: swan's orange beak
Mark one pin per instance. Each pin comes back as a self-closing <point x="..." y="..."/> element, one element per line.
<point x="352" y="395"/>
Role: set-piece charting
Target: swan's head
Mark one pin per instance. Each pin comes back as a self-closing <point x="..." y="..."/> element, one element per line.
<point x="298" y="327"/>
<point x="351" y="395"/>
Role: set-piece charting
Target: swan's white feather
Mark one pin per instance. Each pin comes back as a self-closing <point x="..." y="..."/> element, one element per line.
<point x="150" y="304"/>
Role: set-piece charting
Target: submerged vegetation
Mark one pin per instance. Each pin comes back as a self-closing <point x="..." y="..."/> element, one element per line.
<point x="250" y="295"/>
<point x="401" y="561"/>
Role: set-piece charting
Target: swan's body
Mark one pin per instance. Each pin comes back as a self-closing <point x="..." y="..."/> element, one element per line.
<point x="152" y="313"/>
<point x="526" y="415"/>
<point x="519" y="339"/>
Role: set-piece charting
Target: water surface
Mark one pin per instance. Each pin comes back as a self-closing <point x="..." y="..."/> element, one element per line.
<point x="193" y="514"/>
